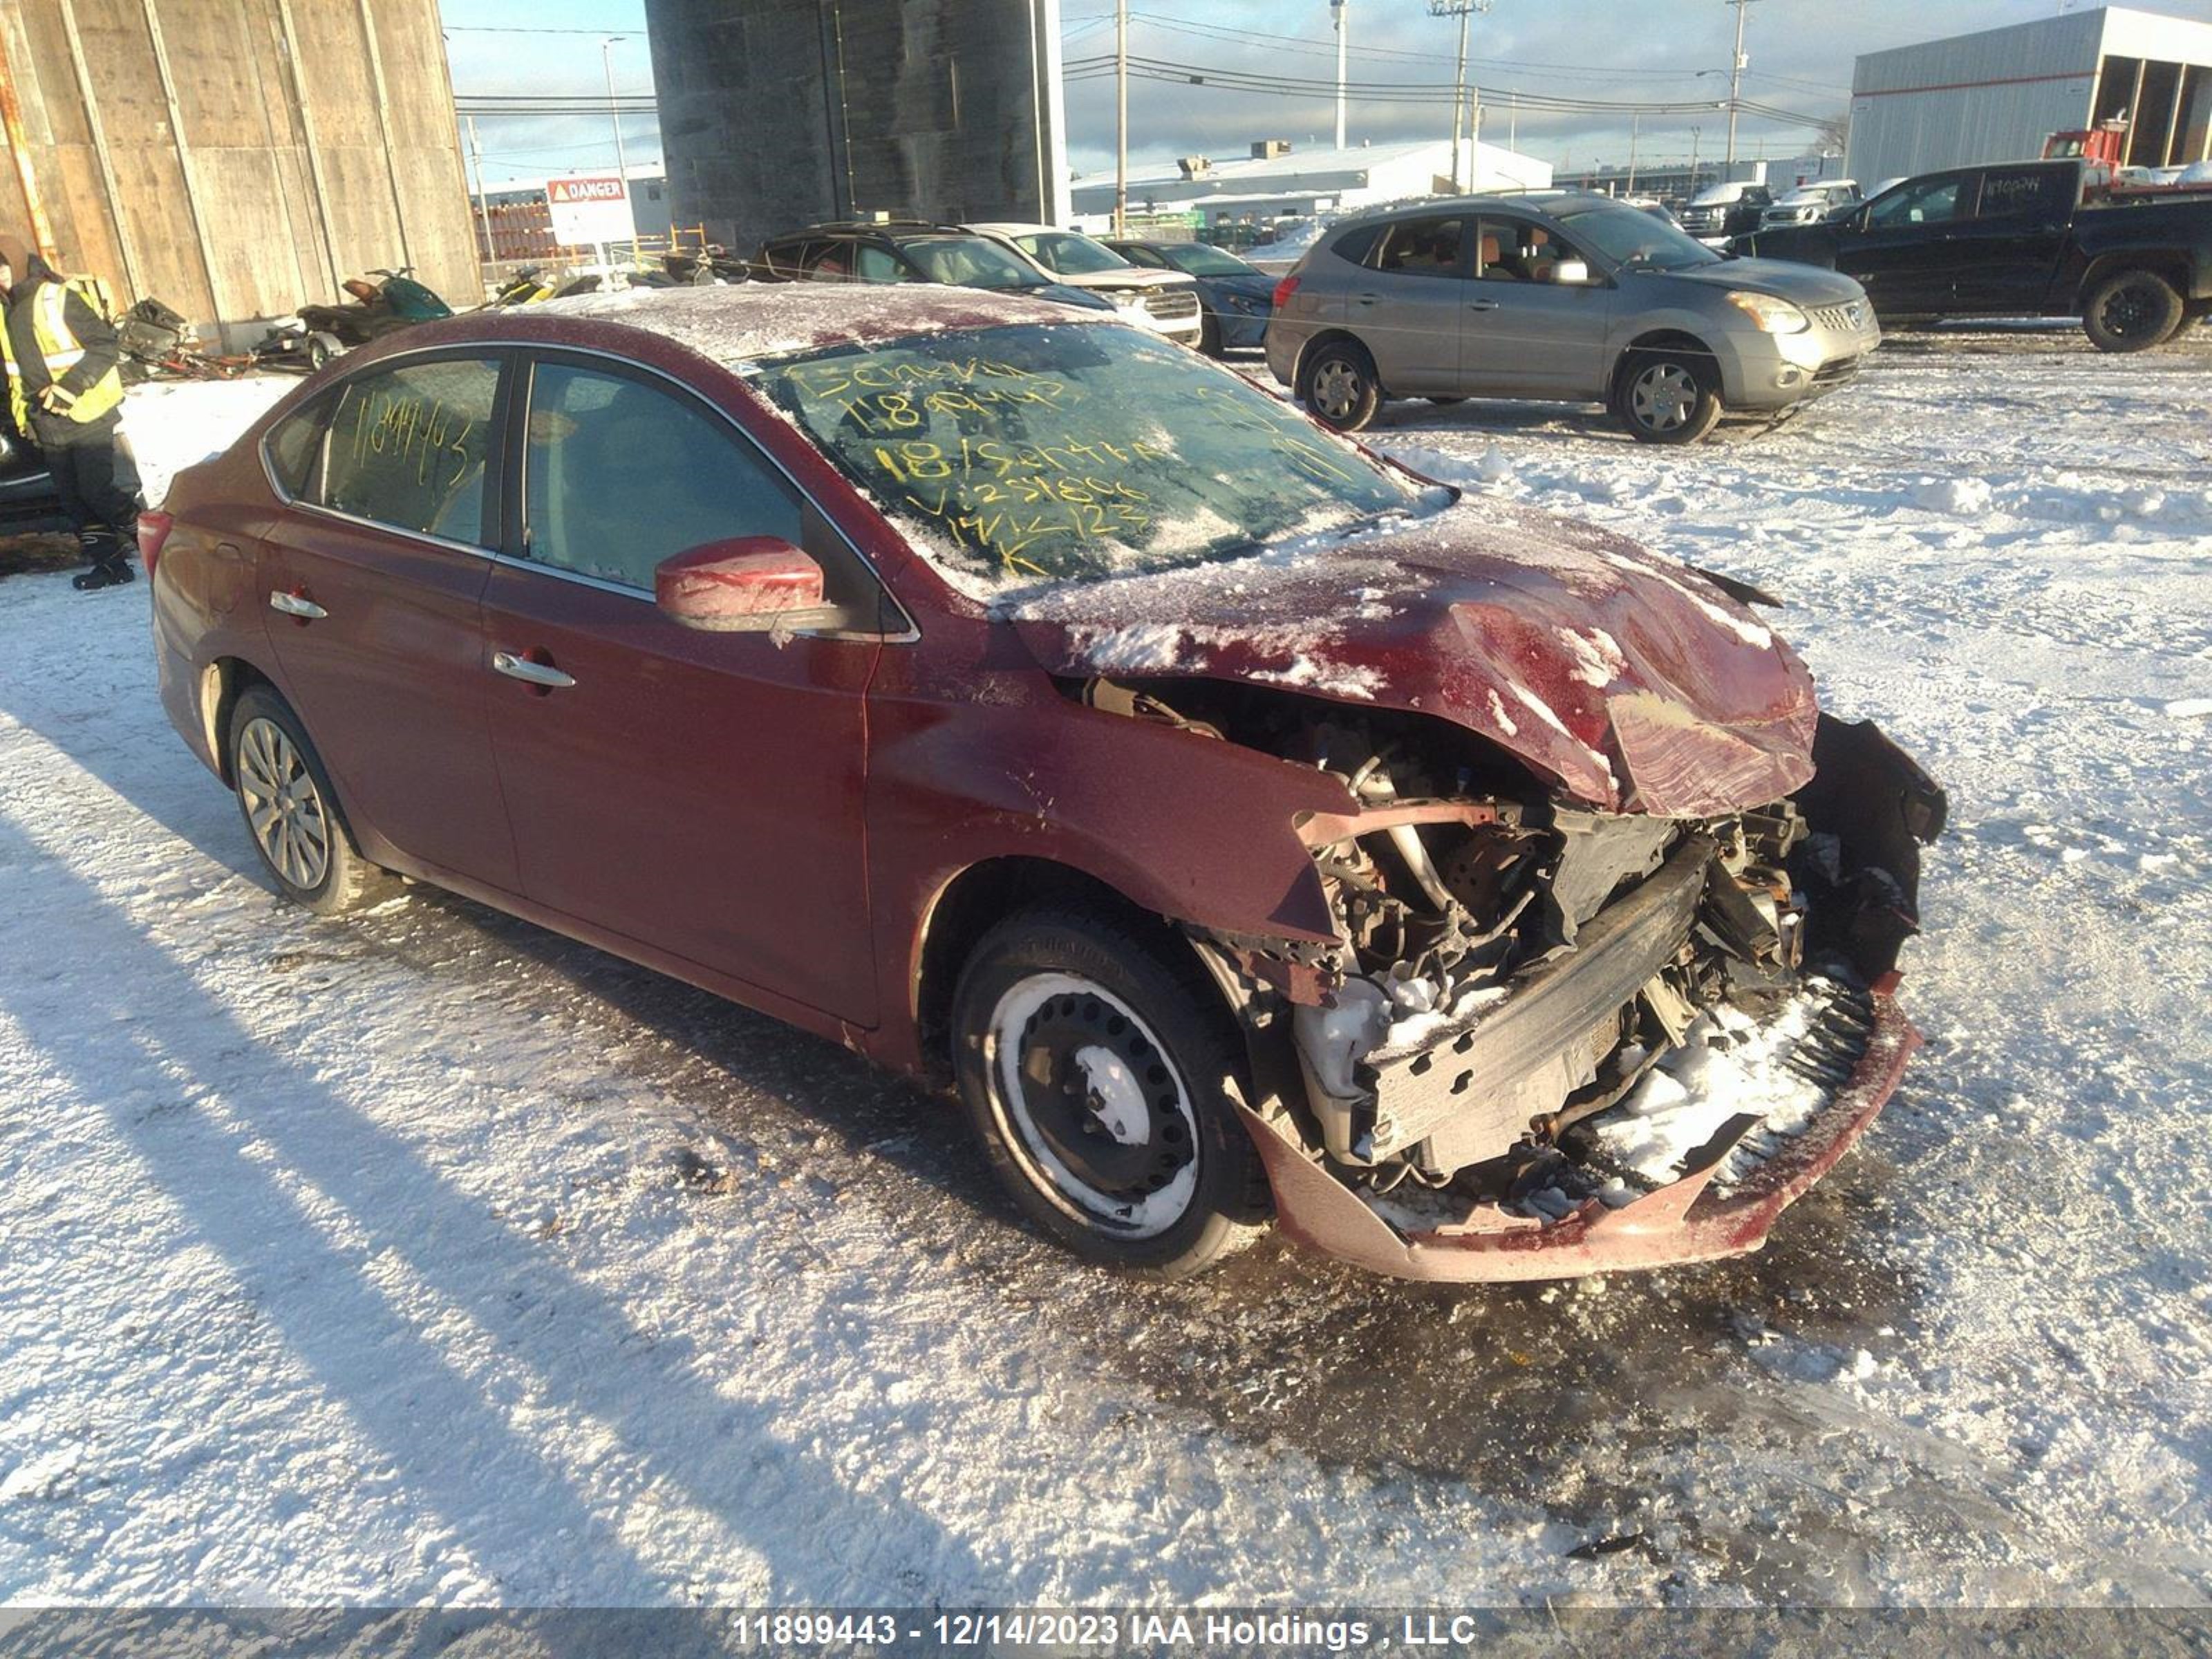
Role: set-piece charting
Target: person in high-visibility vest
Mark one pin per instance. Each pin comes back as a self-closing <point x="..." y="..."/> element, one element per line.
<point x="65" y="392"/>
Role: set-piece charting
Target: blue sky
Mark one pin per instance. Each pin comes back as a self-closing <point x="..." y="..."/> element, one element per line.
<point x="1800" y="52"/>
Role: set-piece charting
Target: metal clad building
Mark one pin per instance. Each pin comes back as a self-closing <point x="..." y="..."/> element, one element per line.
<point x="234" y="158"/>
<point x="779" y="113"/>
<point x="1996" y="95"/>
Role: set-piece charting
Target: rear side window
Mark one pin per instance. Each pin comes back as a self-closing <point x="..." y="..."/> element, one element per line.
<point x="1421" y="247"/>
<point x="1357" y="243"/>
<point x="408" y="447"/>
<point x="879" y="265"/>
<point x="294" y="446"/>
<point x="620" y="475"/>
<point x="2025" y="193"/>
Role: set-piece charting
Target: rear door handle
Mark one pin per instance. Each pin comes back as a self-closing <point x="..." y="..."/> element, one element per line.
<point x="297" y="604"/>
<point x="1366" y="299"/>
<point x="531" y="673"/>
<point x="1482" y="305"/>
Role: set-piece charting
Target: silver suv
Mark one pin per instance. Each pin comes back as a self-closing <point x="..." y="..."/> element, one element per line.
<point x="1564" y="297"/>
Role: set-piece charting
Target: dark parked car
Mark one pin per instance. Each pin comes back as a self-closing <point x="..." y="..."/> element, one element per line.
<point x="27" y="488"/>
<point x="2018" y="240"/>
<point x="1719" y="212"/>
<point x="912" y="250"/>
<point x="1236" y="822"/>
<point x="1239" y="297"/>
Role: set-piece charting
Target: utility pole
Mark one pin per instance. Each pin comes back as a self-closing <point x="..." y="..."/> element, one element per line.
<point x="1735" y="79"/>
<point x="1342" y="8"/>
<point x="483" y="207"/>
<point x="1635" y="127"/>
<point x="1120" y="117"/>
<point x="1462" y="10"/>
<point x="1694" y="159"/>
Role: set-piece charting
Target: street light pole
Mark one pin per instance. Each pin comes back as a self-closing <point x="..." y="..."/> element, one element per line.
<point x="1735" y="79"/>
<point x="1120" y="117"/>
<point x="1343" y="10"/>
<point x="614" y="112"/>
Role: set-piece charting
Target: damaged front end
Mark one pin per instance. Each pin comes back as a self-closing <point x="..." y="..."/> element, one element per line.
<point x="1552" y="1040"/>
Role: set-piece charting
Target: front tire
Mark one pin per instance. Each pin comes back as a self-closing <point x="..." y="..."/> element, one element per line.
<point x="1667" y="396"/>
<point x="1209" y="336"/>
<point x="1337" y="382"/>
<point x="291" y="812"/>
<point x="1097" y="1074"/>
<point x="2133" y="311"/>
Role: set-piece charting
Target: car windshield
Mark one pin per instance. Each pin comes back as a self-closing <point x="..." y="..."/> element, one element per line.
<point x="1634" y="240"/>
<point x="1037" y="454"/>
<point x="1070" y="255"/>
<point x="1200" y="259"/>
<point x="970" y="262"/>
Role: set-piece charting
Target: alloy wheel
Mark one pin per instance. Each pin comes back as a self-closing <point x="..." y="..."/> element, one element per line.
<point x="1336" y="389"/>
<point x="282" y="805"/>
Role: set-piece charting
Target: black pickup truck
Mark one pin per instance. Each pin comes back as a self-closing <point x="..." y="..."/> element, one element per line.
<point x="2019" y="240"/>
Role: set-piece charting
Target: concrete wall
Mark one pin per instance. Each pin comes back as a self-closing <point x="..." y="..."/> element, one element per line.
<point x="779" y="113"/>
<point x="237" y="158"/>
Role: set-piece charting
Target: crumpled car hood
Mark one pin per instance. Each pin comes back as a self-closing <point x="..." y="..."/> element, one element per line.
<point x="1633" y="684"/>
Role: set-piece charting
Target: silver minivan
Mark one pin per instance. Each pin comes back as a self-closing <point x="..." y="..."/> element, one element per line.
<point x="1564" y="297"/>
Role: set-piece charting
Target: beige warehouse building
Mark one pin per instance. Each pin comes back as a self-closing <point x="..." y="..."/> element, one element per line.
<point x="234" y="158"/>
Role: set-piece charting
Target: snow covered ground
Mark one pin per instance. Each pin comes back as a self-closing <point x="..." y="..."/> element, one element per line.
<point x="428" y="1256"/>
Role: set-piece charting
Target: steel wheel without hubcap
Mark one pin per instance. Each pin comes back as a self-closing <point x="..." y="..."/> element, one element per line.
<point x="282" y="805"/>
<point x="1663" y="396"/>
<point x="1091" y="1105"/>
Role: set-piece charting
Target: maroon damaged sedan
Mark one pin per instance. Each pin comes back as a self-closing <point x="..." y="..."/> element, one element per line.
<point x="1242" y="826"/>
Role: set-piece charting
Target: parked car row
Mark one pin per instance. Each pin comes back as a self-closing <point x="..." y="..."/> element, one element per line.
<point x="1234" y="822"/>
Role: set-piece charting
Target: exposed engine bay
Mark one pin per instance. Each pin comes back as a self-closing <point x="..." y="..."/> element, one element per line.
<point x="1509" y="967"/>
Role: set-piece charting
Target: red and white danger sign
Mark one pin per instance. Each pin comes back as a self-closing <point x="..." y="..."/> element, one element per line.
<point x="590" y="208"/>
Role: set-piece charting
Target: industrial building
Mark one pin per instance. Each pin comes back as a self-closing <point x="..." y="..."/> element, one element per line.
<point x="1998" y="95"/>
<point x="779" y="113"/>
<point x="234" y="158"/>
<point x="1278" y="180"/>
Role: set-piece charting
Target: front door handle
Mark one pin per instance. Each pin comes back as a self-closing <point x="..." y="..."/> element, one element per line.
<point x="1366" y="299"/>
<point x="1482" y="305"/>
<point x="531" y="673"/>
<point x="297" y="604"/>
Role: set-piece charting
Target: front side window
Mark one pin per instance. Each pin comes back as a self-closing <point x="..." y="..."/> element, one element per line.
<point x="1421" y="248"/>
<point x="619" y="476"/>
<point x="879" y="265"/>
<point x="1935" y="203"/>
<point x="1028" y="455"/>
<point x="971" y="262"/>
<point x="408" y="447"/>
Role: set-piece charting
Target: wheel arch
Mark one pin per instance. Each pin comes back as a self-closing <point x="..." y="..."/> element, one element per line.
<point x="2169" y="264"/>
<point x="221" y="684"/>
<point x="1335" y="335"/>
<point x="1658" y="339"/>
<point x="974" y="900"/>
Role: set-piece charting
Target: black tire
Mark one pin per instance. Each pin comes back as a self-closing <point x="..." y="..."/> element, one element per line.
<point x="1446" y="403"/>
<point x="1180" y="1183"/>
<point x="319" y="351"/>
<point x="2132" y="310"/>
<point x="309" y="851"/>
<point x="1209" y="336"/>
<point x="1667" y="395"/>
<point x="1340" y="377"/>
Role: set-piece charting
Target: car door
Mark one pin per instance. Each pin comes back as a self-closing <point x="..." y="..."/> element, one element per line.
<point x="2004" y="256"/>
<point x="375" y="572"/>
<point x="1525" y="333"/>
<point x="698" y="792"/>
<point x="1404" y="303"/>
<point x="1901" y="249"/>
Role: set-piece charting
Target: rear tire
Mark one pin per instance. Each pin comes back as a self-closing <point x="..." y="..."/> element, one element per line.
<point x="1337" y="383"/>
<point x="2132" y="310"/>
<point x="291" y="812"/>
<point x="1097" y="1073"/>
<point x="1667" y="395"/>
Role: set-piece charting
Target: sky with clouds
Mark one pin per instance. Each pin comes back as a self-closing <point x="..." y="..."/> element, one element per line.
<point x="1611" y="51"/>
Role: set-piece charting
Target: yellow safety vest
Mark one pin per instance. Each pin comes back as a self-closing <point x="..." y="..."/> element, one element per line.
<point x="59" y="346"/>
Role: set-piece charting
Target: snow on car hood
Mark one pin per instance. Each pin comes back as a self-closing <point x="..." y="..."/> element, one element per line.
<point x="1632" y="683"/>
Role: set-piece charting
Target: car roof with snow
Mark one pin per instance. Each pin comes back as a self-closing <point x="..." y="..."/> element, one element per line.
<point x="740" y="322"/>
